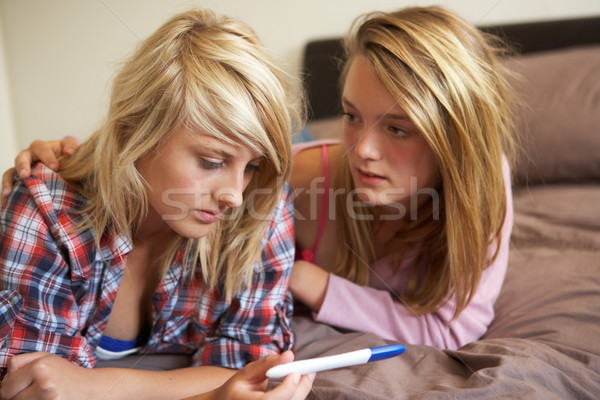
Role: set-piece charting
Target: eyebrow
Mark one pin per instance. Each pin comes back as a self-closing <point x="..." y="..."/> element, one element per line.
<point x="220" y="152"/>
<point x="206" y="145"/>
<point x="386" y="115"/>
<point x="226" y="155"/>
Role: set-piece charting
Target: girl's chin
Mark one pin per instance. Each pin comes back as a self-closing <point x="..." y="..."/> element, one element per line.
<point x="376" y="199"/>
<point x="192" y="230"/>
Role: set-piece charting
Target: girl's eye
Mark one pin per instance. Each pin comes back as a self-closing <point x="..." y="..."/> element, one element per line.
<point x="350" y="117"/>
<point x="253" y="168"/>
<point x="206" y="164"/>
<point x="399" y="133"/>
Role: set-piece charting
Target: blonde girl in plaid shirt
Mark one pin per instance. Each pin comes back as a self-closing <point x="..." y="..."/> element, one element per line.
<point x="173" y="217"/>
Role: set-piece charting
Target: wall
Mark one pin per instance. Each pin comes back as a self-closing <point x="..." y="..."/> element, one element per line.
<point x="8" y="145"/>
<point x="59" y="55"/>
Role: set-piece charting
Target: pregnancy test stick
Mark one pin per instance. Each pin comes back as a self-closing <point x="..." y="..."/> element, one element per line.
<point x="338" y="361"/>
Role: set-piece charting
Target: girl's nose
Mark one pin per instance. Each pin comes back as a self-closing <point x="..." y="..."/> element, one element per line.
<point x="230" y="199"/>
<point x="230" y="194"/>
<point x="366" y="147"/>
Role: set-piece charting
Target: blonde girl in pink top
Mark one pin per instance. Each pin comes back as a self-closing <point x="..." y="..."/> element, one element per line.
<point x="413" y="243"/>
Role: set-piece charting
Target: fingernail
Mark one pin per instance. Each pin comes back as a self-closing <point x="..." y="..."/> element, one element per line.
<point x="69" y="151"/>
<point x="296" y="377"/>
<point x="22" y="173"/>
<point x="53" y="166"/>
<point x="5" y="192"/>
<point x="312" y="376"/>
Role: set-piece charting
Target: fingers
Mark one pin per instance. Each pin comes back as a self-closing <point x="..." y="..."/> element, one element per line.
<point x="304" y="386"/>
<point x="18" y="379"/>
<point x="16" y="362"/>
<point x="283" y="358"/>
<point x="294" y="387"/>
<point x="7" y="183"/>
<point x="256" y="371"/>
<point x="23" y="163"/>
<point x="69" y="145"/>
<point x="46" y="152"/>
<point x="251" y="382"/>
<point x="15" y="387"/>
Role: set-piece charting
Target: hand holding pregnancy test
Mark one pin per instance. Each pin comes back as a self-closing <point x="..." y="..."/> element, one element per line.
<point x="338" y="361"/>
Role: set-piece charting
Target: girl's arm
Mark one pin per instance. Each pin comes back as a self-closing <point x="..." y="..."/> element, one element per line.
<point x="308" y="284"/>
<point x="42" y="375"/>
<point x="250" y="382"/>
<point x="366" y="309"/>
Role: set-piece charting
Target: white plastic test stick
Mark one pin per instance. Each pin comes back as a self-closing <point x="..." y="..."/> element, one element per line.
<point x="338" y="361"/>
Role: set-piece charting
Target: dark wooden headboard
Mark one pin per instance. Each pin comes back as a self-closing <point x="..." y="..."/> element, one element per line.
<point x="322" y="57"/>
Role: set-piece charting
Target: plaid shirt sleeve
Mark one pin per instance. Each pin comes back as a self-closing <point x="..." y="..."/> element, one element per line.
<point x="37" y="305"/>
<point x="257" y="322"/>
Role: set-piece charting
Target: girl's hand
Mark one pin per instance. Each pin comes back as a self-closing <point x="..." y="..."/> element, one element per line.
<point x="41" y="376"/>
<point x="308" y="284"/>
<point x="45" y="376"/>
<point x="46" y="152"/>
<point x="251" y="381"/>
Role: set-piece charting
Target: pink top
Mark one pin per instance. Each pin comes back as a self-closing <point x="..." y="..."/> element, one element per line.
<point x="377" y="309"/>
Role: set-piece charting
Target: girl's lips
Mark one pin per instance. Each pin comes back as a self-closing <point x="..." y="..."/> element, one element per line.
<point x="208" y="217"/>
<point x="369" y="178"/>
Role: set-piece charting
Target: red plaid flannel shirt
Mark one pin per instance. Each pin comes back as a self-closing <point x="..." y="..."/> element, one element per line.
<point x="57" y="287"/>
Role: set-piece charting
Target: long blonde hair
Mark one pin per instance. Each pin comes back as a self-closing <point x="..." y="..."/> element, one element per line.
<point x="210" y="74"/>
<point x="448" y="78"/>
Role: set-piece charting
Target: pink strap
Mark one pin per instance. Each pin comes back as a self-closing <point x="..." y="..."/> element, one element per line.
<point x="309" y="254"/>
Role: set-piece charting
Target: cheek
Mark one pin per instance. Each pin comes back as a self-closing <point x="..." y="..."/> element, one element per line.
<point x="175" y="192"/>
<point x="247" y="179"/>
<point x="170" y="185"/>
<point x="349" y="135"/>
<point x="427" y="169"/>
<point x="413" y="161"/>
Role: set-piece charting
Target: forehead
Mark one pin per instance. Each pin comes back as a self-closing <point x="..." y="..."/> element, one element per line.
<point x="230" y="148"/>
<point x="364" y="91"/>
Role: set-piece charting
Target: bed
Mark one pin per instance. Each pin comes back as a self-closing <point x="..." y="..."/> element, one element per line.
<point x="544" y="342"/>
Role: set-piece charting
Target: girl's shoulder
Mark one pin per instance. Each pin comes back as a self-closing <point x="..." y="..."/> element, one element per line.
<point x="47" y="186"/>
<point x="308" y="161"/>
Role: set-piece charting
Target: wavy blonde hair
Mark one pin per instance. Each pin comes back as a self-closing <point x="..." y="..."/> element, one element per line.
<point x="448" y="78"/>
<point x="212" y="75"/>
